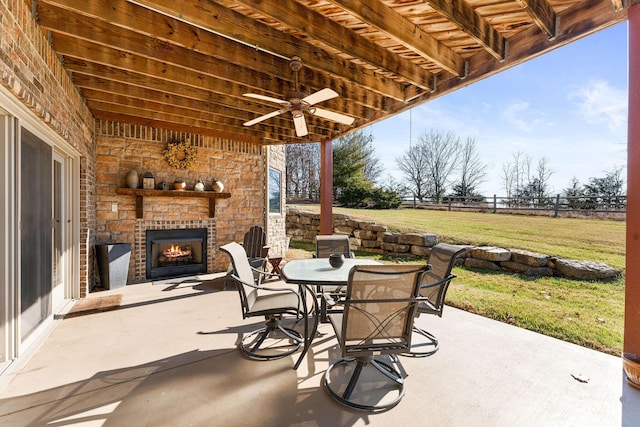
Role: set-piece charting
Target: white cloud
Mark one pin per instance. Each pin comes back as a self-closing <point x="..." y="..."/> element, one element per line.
<point x="600" y="103"/>
<point x="520" y="116"/>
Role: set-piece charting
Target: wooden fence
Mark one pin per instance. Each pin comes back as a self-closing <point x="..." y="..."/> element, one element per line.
<point x="555" y="205"/>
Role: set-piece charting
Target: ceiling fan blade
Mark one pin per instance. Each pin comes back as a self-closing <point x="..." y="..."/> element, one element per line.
<point x="319" y="96"/>
<point x="262" y="118"/>
<point x="266" y="98"/>
<point x="330" y="115"/>
<point x="301" y="125"/>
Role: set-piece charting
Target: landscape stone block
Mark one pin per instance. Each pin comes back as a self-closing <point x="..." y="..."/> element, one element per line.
<point x="585" y="270"/>
<point x="421" y="251"/>
<point x="365" y="234"/>
<point x="532" y="259"/>
<point x="389" y="237"/>
<point x="491" y="253"/>
<point x="395" y="247"/>
<point x="481" y="263"/>
<point x="421" y="239"/>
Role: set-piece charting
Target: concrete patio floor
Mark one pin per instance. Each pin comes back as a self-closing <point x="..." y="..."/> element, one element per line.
<point x="167" y="356"/>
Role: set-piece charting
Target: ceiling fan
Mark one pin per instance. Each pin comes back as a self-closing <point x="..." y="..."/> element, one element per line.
<point x="299" y="103"/>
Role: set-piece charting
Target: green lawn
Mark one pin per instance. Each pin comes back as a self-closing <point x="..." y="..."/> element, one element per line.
<point x="585" y="313"/>
<point x="583" y="239"/>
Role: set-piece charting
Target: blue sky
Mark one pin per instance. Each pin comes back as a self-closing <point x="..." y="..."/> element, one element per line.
<point x="569" y="105"/>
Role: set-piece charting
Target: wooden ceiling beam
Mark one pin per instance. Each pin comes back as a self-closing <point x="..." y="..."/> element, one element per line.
<point x="168" y="120"/>
<point x="152" y="122"/>
<point x="235" y="26"/>
<point x="239" y="27"/>
<point x="542" y="14"/>
<point x="89" y="74"/>
<point x="531" y="42"/>
<point x="387" y="20"/>
<point x="215" y="116"/>
<point x="100" y="18"/>
<point x="461" y="14"/>
<point x="106" y="56"/>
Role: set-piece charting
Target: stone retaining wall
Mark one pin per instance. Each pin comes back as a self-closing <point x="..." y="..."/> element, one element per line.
<point x="367" y="236"/>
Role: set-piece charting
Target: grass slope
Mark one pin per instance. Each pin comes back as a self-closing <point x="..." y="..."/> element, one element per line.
<point x="585" y="313"/>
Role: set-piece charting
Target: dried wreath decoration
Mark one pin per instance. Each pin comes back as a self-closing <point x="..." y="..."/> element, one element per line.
<point x="180" y="155"/>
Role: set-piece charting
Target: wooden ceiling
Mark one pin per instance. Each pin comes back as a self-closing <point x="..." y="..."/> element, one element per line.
<point x="185" y="64"/>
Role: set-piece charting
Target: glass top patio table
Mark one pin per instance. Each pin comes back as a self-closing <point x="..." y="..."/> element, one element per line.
<point x="318" y="271"/>
<point x="307" y="273"/>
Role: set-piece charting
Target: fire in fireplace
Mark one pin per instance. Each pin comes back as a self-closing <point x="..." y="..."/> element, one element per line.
<point x="173" y="253"/>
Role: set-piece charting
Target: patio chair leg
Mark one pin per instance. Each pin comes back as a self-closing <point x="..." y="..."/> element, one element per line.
<point x="431" y="343"/>
<point x="354" y="379"/>
<point x="260" y="335"/>
<point x="388" y="371"/>
<point x="345" y="397"/>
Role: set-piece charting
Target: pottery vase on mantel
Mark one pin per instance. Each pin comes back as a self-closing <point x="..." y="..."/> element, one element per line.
<point x="217" y="186"/>
<point x="133" y="179"/>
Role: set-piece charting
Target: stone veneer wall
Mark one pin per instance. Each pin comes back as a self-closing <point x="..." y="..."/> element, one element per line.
<point x="31" y="71"/>
<point x="276" y="222"/>
<point x="367" y="236"/>
<point x="240" y="165"/>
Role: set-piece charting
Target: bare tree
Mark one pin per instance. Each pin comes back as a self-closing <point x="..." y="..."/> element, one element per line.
<point x="516" y="174"/>
<point x="521" y="182"/>
<point x="428" y="164"/>
<point x="413" y="164"/>
<point x="303" y="170"/>
<point x="508" y="179"/>
<point x="472" y="170"/>
<point x="441" y="153"/>
<point x="542" y="176"/>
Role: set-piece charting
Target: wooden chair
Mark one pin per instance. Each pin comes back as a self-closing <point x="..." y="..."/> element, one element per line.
<point x="255" y="244"/>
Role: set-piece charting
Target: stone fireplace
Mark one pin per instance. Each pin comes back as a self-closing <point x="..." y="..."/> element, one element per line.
<point x="165" y="249"/>
<point x="176" y="252"/>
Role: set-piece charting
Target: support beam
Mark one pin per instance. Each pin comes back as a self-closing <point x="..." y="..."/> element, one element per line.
<point x="632" y="281"/>
<point x="326" y="187"/>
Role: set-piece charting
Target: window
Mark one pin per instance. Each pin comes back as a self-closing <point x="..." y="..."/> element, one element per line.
<point x="274" y="190"/>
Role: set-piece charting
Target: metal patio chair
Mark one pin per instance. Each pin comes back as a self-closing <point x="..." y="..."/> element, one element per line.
<point x="333" y="244"/>
<point x="433" y="290"/>
<point x="377" y="319"/>
<point x="325" y="246"/>
<point x="274" y="340"/>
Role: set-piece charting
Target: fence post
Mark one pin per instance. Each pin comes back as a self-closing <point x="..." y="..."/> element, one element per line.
<point x="555" y="214"/>
<point x="449" y="204"/>
<point x="495" y="204"/>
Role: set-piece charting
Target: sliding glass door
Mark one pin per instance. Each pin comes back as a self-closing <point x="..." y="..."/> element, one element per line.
<point x="36" y="232"/>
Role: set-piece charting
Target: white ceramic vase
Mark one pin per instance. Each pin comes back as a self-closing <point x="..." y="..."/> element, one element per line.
<point x="217" y="186"/>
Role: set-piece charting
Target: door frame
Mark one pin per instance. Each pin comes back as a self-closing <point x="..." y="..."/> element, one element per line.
<point x="14" y="116"/>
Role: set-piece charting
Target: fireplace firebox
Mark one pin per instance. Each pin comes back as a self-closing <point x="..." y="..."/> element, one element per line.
<point x="174" y="253"/>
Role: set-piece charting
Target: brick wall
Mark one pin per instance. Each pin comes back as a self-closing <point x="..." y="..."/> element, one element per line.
<point x="31" y="71"/>
<point x="239" y="165"/>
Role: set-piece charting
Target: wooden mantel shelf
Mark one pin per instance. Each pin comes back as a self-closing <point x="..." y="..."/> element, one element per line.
<point x="141" y="194"/>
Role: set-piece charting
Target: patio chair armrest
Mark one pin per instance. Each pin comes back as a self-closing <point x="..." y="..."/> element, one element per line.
<point x="439" y="282"/>
<point x="331" y="301"/>
<point x="261" y="287"/>
<point x="265" y="251"/>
